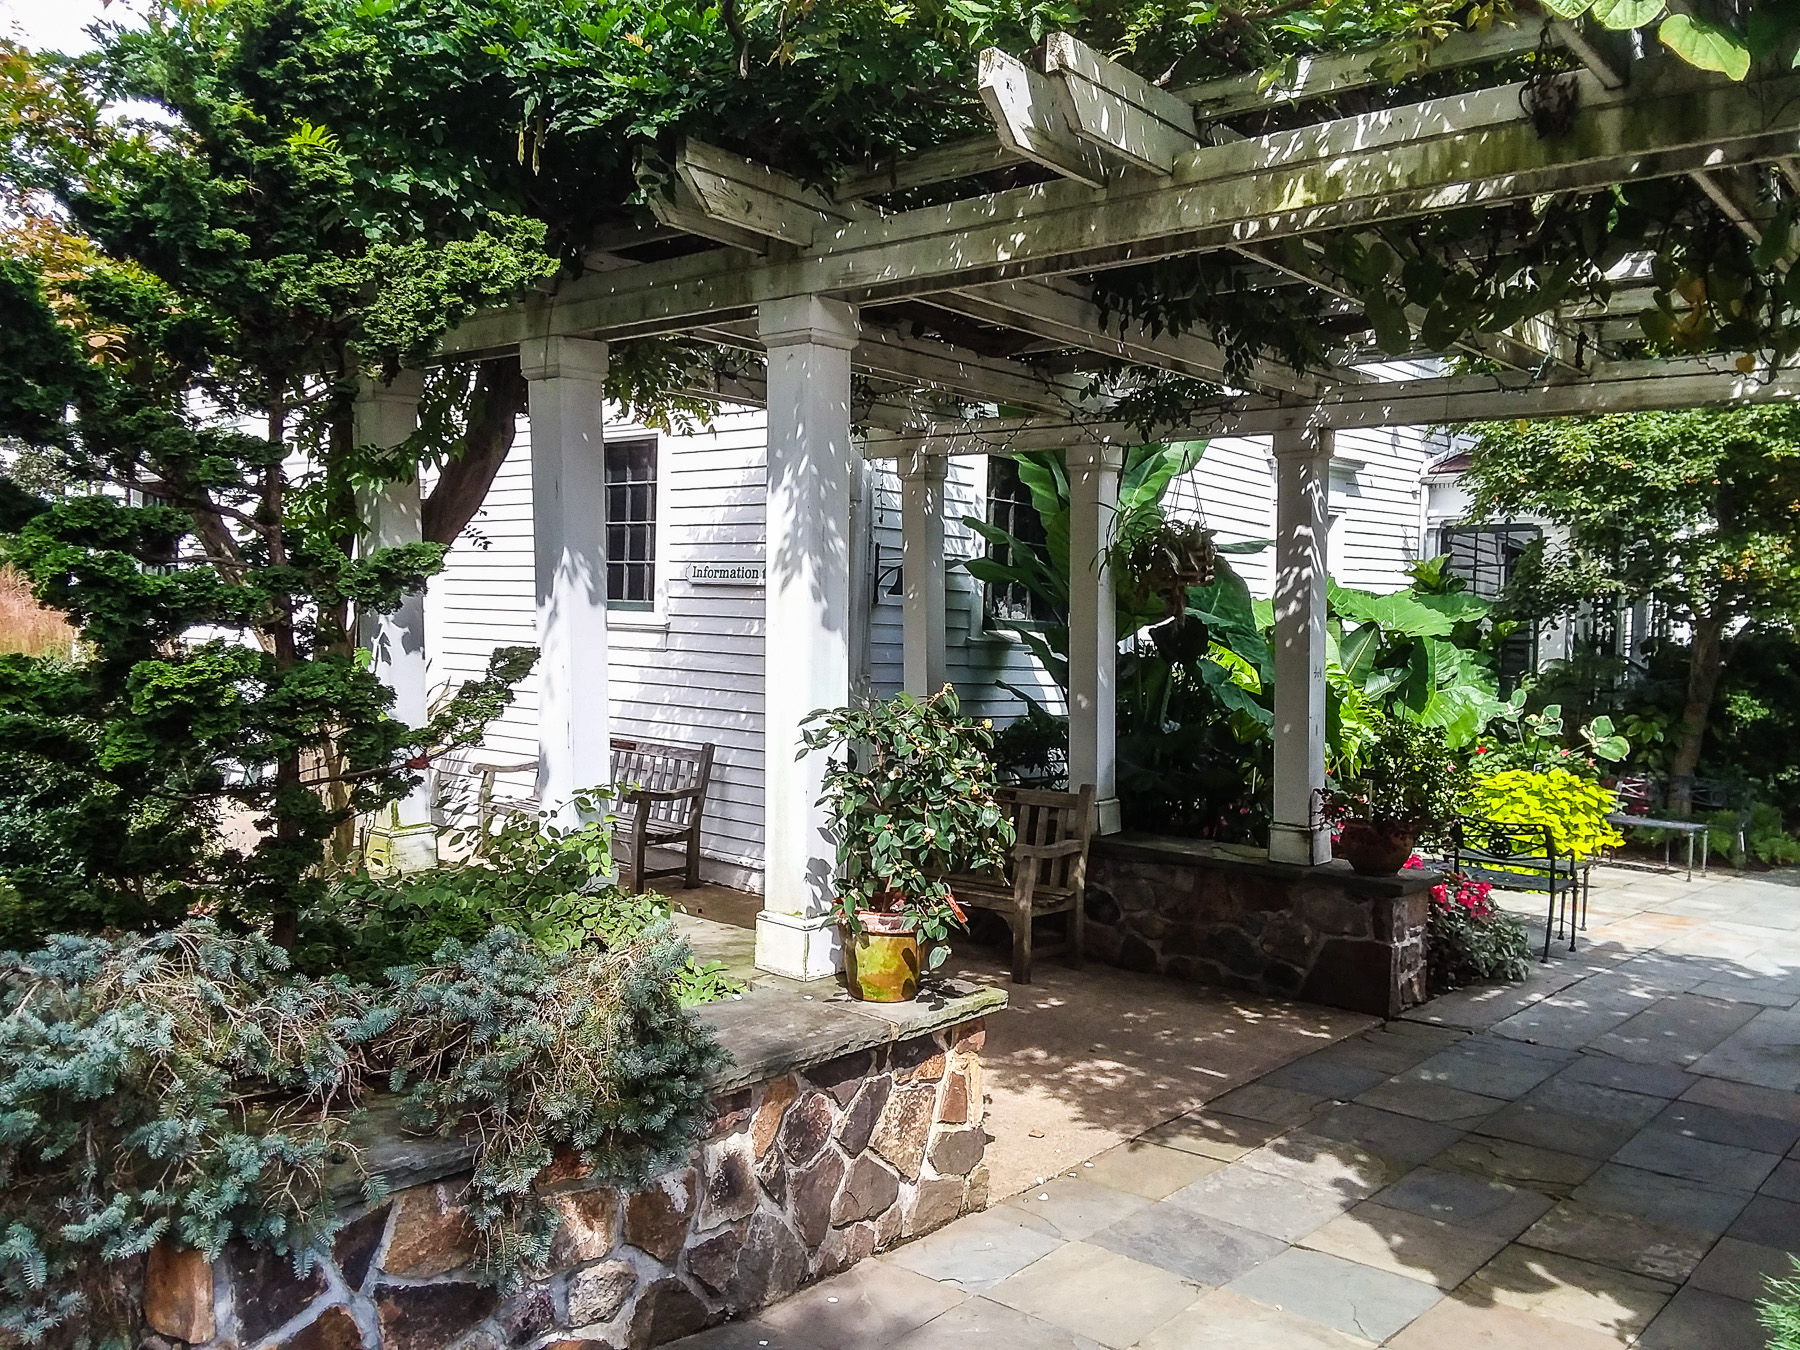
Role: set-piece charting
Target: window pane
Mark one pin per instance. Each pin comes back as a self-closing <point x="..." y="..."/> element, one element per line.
<point x="631" y="523"/>
<point x="1010" y="509"/>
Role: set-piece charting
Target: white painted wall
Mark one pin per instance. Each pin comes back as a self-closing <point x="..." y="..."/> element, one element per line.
<point x="691" y="669"/>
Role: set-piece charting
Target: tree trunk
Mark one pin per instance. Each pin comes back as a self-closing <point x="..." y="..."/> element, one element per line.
<point x="284" y="918"/>
<point x="501" y="394"/>
<point x="1705" y="662"/>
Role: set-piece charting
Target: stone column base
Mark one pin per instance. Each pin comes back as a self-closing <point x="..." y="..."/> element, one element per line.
<point x="401" y="848"/>
<point x="1107" y="818"/>
<point x="798" y="946"/>
<point x="1302" y="845"/>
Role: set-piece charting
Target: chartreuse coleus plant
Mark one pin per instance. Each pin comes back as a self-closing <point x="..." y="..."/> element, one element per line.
<point x="910" y="786"/>
<point x="1573" y="807"/>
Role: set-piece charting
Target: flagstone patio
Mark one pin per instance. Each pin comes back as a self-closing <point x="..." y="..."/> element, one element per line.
<point x="1608" y="1154"/>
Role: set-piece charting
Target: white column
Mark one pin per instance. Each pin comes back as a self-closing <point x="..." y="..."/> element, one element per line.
<point x="568" y="515"/>
<point x="384" y="416"/>
<point x="925" y="667"/>
<point x="1093" y="628"/>
<point x="806" y="661"/>
<point x="1302" y="521"/>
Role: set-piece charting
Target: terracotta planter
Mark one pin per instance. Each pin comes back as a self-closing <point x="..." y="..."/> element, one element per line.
<point x="1375" y="848"/>
<point x="882" y="962"/>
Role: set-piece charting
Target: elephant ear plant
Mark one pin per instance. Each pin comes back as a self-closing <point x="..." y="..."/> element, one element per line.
<point x="911" y="786"/>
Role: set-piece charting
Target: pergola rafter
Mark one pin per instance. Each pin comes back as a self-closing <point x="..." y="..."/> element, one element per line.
<point x="997" y="257"/>
<point x="919" y="310"/>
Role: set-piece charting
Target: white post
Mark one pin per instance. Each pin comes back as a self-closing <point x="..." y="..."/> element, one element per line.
<point x="1297" y="834"/>
<point x="1093" y="628"/>
<point x="568" y="511"/>
<point x="384" y="416"/>
<point x="806" y="661"/>
<point x="925" y="666"/>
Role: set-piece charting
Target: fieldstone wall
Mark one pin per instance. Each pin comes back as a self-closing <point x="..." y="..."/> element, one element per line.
<point x="797" y="1178"/>
<point x="1215" y="916"/>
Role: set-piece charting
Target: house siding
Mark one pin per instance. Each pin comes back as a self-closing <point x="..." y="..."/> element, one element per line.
<point x="692" y="668"/>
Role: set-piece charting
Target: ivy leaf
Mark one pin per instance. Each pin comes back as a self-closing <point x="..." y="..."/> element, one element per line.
<point x="1388" y="318"/>
<point x="1619" y="15"/>
<point x="1567" y="9"/>
<point x="1706" y="45"/>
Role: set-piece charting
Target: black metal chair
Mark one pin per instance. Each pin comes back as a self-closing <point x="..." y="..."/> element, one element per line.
<point x="1524" y="858"/>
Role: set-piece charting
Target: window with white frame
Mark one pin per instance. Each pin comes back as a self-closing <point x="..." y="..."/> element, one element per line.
<point x="631" y="524"/>
<point x="1010" y="508"/>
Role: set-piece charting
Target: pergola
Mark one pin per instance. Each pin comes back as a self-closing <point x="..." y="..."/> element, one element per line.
<point x="901" y="332"/>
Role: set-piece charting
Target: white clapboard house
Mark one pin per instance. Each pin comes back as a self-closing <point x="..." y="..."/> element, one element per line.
<point x="685" y="570"/>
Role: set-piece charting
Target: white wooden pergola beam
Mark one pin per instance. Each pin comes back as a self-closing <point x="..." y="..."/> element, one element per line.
<point x="924" y="363"/>
<point x="1062" y="311"/>
<point x="1735" y="192"/>
<point x="1324" y="76"/>
<point x="1232" y="96"/>
<point x="1476" y="148"/>
<point x="1629" y="386"/>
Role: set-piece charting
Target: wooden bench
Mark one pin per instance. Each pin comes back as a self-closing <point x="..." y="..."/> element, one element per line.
<point x="661" y="803"/>
<point x="1046" y="872"/>
<point x="662" y="800"/>
<point x="1524" y="858"/>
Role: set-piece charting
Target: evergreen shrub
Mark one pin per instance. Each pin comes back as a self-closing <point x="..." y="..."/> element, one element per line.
<point x="189" y="1086"/>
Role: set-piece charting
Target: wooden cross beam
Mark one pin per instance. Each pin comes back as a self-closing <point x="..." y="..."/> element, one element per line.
<point x="1215" y="100"/>
<point x="1469" y="149"/>
<point x="1626" y="386"/>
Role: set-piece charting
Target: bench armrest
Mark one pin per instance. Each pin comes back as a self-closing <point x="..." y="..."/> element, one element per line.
<point x="660" y="795"/>
<point x="1059" y="850"/>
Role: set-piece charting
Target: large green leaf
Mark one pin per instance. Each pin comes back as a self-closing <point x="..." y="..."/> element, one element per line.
<point x="1622" y="14"/>
<point x="1567" y="9"/>
<point x="1421" y="678"/>
<point x="1706" y="45"/>
<point x="1401" y="614"/>
<point x="1459" y="606"/>
<point x="1358" y="650"/>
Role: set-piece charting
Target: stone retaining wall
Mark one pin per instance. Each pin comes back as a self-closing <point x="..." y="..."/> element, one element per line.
<point x="1219" y="916"/>
<point x="799" y="1177"/>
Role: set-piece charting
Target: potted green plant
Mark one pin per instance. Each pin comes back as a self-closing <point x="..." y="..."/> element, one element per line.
<point x="1156" y="559"/>
<point x="910" y="786"/>
<point x="1405" y="787"/>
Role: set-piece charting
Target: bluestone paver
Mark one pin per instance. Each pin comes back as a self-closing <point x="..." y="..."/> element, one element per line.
<point x="1676" y="1155"/>
<point x="1263" y="1201"/>
<point x="1214" y="1134"/>
<point x="1564" y="1289"/>
<point x="1771" y="1222"/>
<point x="1479" y="1204"/>
<point x="1641" y="1246"/>
<point x="1070" y="1208"/>
<point x="1150" y="1170"/>
<point x="1670" y="1200"/>
<point x="1741" y="1270"/>
<point x="977" y="1251"/>
<point x="981" y="1324"/>
<point x="1543" y="1169"/>
<point x="1408" y="1244"/>
<point x="1386" y="1133"/>
<point x="1696" y="1318"/>
<point x="1190" y="1244"/>
<point x="1097" y="1293"/>
<point x="1346" y="1295"/>
<point x="868" y="1307"/>
<point x="1225" y="1320"/>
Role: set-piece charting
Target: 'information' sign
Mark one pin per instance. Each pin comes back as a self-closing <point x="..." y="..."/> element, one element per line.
<point x="726" y="574"/>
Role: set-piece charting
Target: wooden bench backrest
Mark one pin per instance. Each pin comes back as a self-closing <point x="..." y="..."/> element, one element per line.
<point x="1041" y="818"/>
<point x="662" y="766"/>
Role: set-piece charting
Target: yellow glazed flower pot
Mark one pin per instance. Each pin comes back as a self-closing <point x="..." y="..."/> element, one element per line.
<point x="882" y="961"/>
